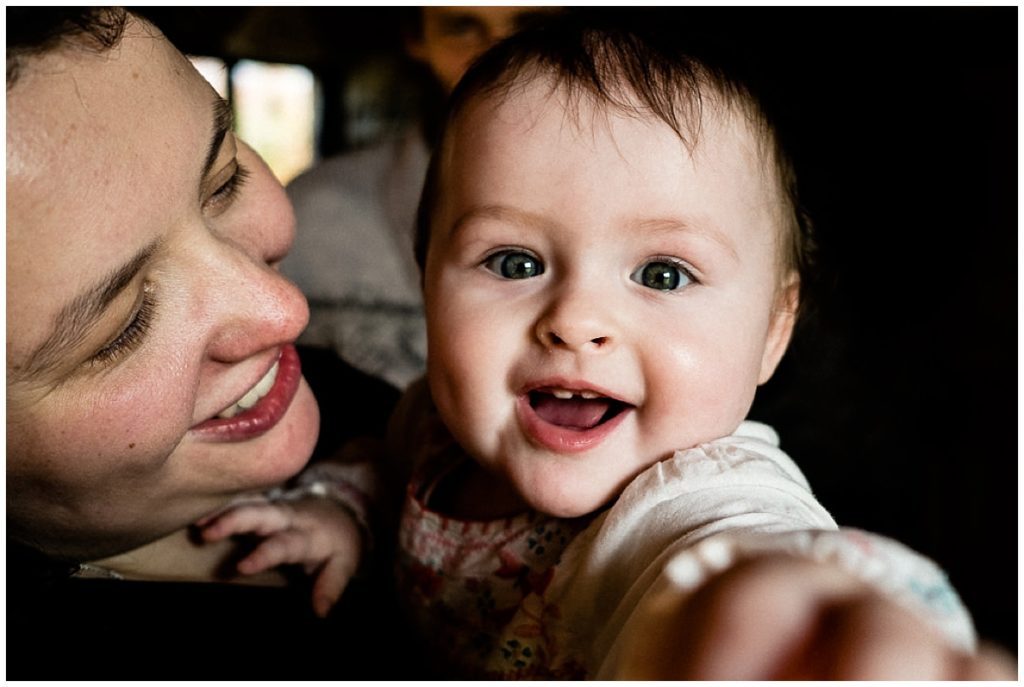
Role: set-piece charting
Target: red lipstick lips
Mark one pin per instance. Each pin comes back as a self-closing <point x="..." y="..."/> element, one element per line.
<point x="266" y="413"/>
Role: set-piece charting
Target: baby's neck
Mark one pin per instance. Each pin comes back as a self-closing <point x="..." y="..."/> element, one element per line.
<point x="468" y="492"/>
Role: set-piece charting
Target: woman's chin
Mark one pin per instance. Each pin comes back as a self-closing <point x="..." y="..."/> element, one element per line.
<point x="284" y="450"/>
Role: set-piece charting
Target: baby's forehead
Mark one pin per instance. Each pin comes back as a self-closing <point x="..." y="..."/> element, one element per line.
<point x="688" y="108"/>
<point x="709" y="128"/>
<point x="718" y="146"/>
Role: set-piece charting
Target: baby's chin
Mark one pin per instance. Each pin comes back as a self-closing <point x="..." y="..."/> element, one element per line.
<point x="569" y="503"/>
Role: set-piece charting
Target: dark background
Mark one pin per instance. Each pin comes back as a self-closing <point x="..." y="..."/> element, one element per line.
<point x="898" y="398"/>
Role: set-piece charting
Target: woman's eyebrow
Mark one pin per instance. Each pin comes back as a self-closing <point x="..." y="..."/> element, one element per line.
<point x="222" y="122"/>
<point x="74" y="320"/>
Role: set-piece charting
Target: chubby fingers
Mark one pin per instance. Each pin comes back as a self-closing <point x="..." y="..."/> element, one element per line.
<point x="871" y="638"/>
<point x="990" y="662"/>
<point x="331" y="582"/>
<point x="261" y="518"/>
<point x="758" y="620"/>
<point x="238" y="502"/>
<point x="780" y="617"/>
<point x="284" y="547"/>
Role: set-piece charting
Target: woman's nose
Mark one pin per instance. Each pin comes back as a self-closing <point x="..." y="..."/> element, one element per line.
<point x="255" y="307"/>
<point x="578" y="320"/>
<point x="264" y="225"/>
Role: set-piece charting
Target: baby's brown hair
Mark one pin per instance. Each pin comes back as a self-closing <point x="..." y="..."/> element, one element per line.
<point x="628" y="61"/>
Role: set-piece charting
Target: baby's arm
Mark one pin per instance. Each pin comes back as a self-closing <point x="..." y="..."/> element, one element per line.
<point x="311" y="532"/>
<point x="783" y="616"/>
<point x="320" y="525"/>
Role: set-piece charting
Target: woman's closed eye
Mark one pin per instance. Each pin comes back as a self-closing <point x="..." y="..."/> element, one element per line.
<point x="514" y="264"/>
<point x="133" y="334"/>
<point x="663" y="274"/>
<point x="223" y="195"/>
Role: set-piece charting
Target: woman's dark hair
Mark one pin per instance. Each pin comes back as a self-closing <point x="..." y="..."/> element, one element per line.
<point x="632" y="61"/>
<point x="36" y="30"/>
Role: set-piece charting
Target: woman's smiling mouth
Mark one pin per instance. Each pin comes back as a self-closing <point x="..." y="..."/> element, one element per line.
<point x="260" y="408"/>
<point x="253" y="395"/>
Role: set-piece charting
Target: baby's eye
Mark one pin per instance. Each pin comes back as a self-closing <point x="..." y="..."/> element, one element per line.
<point x="514" y="265"/>
<point x="663" y="275"/>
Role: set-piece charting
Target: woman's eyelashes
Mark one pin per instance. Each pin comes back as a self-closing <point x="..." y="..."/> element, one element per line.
<point x="133" y="334"/>
<point x="222" y="196"/>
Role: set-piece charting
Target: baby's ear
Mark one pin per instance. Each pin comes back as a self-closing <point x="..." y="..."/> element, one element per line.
<point x="780" y="329"/>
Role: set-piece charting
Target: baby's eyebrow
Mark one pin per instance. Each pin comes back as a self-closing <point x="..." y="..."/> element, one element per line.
<point x="502" y="213"/>
<point x="666" y="225"/>
<point x="672" y="225"/>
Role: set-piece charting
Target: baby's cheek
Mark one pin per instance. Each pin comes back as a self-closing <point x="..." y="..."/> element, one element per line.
<point x="696" y="394"/>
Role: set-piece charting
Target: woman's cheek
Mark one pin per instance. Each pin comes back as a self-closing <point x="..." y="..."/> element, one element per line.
<point x="142" y="421"/>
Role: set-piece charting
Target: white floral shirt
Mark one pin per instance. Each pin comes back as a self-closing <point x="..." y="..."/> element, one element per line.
<point x="537" y="597"/>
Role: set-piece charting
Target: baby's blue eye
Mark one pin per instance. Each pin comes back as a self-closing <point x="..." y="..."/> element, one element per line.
<point x="515" y="265"/>
<point x="662" y="275"/>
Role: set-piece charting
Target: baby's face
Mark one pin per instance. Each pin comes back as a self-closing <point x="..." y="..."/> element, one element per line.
<point x="596" y="297"/>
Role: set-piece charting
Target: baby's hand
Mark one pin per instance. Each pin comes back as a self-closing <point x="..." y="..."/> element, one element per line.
<point x="313" y="532"/>
<point x="785" y="618"/>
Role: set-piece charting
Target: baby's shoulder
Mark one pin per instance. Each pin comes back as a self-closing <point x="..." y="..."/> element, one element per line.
<point x="751" y="453"/>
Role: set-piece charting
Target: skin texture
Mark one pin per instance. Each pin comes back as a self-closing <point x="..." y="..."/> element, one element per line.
<point x="105" y="160"/>
<point x="595" y="203"/>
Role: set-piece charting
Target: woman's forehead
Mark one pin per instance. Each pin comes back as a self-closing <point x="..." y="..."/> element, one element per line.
<point x="99" y="148"/>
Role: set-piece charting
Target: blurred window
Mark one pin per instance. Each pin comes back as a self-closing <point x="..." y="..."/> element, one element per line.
<point x="276" y="112"/>
<point x="276" y="109"/>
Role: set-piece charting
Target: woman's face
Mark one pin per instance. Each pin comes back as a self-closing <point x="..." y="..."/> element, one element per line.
<point x="143" y="302"/>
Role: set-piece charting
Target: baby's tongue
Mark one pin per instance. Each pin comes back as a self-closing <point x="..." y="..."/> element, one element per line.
<point x="574" y="413"/>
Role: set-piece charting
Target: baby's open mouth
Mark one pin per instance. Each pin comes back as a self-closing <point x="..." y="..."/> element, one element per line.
<point x="577" y="410"/>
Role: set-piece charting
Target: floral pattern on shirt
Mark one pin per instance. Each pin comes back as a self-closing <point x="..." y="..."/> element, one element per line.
<point x="477" y="591"/>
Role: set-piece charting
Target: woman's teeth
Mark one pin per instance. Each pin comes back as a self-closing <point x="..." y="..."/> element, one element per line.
<point x="252" y="395"/>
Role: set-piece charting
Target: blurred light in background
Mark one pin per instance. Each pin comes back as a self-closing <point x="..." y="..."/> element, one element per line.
<point x="276" y="113"/>
<point x="215" y="71"/>
<point x="276" y="109"/>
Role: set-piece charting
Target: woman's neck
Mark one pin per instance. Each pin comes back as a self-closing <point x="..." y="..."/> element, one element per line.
<point x="179" y="557"/>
